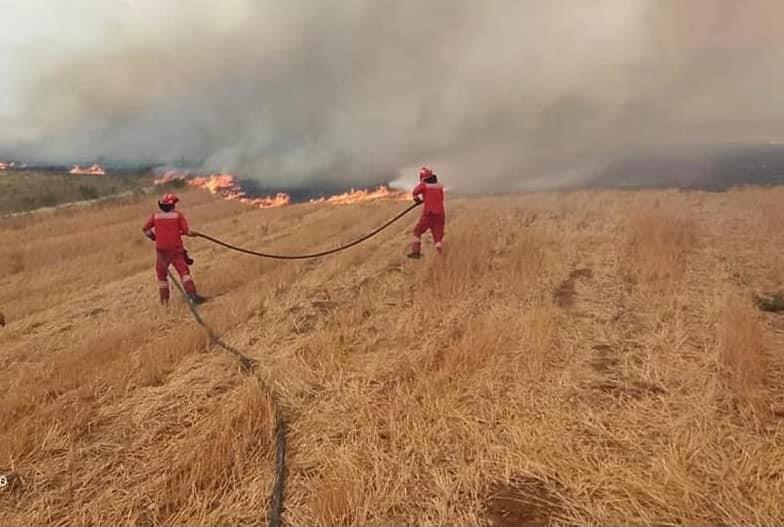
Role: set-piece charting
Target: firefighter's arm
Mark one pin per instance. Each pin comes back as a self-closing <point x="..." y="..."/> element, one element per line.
<point x="417" y="192"/>
<point x="184" y="228"/>
<point x="148" y="228"/>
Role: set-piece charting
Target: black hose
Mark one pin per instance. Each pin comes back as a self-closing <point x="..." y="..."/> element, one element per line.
<point x="313" y="255"/>
<point x="276" y="496"/>
<point x="248" y="364"/>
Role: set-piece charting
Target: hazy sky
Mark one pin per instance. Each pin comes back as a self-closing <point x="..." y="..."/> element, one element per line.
<point x="495" y="93"/>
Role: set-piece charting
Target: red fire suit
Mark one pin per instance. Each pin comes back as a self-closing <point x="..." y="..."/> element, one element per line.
<point x="167" y="228"/>
<point x="433" y="216"/>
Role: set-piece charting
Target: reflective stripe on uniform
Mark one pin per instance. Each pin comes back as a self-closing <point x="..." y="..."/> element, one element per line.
<point x="166" y="215"/>
<point x="187" y="278"/>
<point x="163" y="284"/>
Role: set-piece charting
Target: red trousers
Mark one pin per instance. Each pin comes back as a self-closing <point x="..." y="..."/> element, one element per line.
<point x="175" y="257"/>
<point x="433" y="222"/>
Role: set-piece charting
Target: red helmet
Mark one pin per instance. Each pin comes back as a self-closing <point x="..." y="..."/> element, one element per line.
<point x="424" y="173"/>
<point x="169" y="199"/>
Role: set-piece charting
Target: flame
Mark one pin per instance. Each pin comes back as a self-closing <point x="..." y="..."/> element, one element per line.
<point x="358" y="196"/>
<point x="94" y="170"/>
<point x="7" y="166"/>
<point x="226" y="186"/>
<point x="278" y="200"/>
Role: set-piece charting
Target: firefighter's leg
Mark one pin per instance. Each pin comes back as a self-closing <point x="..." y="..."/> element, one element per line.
<point x="437" y="228"/>
<point x="416" y="245"/>
<point x="161" y="266"/>
<point x="178" y="260"/>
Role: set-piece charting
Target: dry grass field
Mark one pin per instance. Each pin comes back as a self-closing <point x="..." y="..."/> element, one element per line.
<point x="581" y="358"/>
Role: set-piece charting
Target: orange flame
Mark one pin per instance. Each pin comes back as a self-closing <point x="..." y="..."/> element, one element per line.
<point x="278" y="200"/>
<point x="358" y="196"/>
<point x="225" y="185"/>
<point x="7" y="166"/>
<point x="94" y="170"/>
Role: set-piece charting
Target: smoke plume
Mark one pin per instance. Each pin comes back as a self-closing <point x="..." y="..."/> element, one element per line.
<point x="496" y="95"/>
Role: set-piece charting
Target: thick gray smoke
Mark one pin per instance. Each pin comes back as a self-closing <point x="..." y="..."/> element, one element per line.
<point x="496" y="95"/>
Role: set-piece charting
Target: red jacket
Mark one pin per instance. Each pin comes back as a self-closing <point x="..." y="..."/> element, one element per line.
<point x="169" y="228"/>
<point x="433" y="194"/>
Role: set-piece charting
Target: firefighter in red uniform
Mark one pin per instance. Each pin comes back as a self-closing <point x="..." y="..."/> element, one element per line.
<point x="166" y="228"/>
<point x="433" y="216"/>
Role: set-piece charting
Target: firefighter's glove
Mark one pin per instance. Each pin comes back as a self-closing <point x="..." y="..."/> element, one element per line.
<point x="151" y="236"/>
<point x="418" y="200"/>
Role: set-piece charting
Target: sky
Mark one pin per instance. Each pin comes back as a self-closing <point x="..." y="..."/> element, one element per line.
<point x="497" y="95"/>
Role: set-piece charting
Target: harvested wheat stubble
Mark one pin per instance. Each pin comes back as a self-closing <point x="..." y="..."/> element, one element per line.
<point x="445" y="391"/>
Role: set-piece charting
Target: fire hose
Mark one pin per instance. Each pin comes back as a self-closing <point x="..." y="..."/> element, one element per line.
<point x="248" y="364"/>
<point x="312" y="255"/>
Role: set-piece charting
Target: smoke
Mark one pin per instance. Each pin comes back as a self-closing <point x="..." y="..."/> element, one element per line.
<point x="497" y="95"/>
